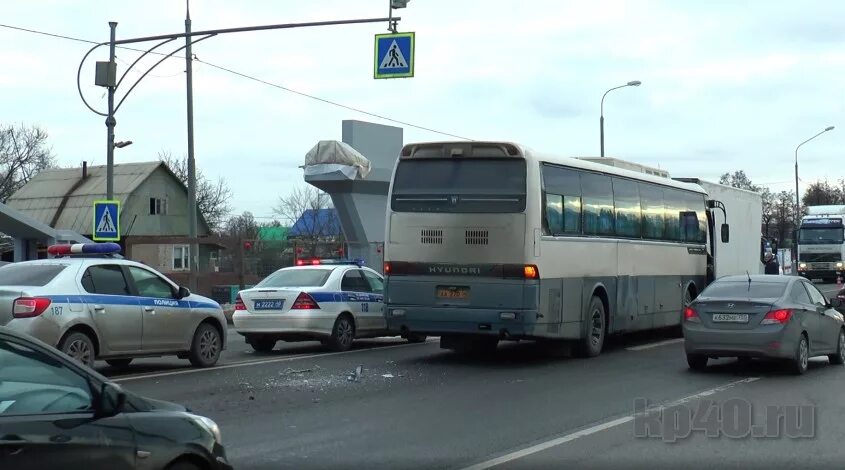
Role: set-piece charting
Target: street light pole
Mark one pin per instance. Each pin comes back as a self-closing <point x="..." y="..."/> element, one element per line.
<point x="797" y="199"/>
<point x="192" y="176"/>
<point x="601" y="118"/>
<point x="110" y="121"/>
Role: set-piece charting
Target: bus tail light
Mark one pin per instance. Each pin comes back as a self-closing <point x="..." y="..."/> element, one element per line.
<point x="520" y="271"/>
<point x="691" y="315"/>
<point x="395" y="268"/>
<point x="304" y="302"/>
<point x="28" y="307"/>
<point x="776" y="317"/>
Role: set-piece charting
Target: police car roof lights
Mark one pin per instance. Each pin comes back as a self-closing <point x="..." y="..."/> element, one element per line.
<point x="84" y="249"/>
<point x="317" y="261"/>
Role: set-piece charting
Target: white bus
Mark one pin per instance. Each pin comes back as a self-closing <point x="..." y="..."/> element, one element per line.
<point x="489" y="241"/>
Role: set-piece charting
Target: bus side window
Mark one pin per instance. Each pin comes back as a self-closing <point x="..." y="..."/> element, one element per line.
<point x="554" y="213"/>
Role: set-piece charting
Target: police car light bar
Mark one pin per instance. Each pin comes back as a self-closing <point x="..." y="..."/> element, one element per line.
<point x="83" y="249"/>
<point x="317" y="261"/>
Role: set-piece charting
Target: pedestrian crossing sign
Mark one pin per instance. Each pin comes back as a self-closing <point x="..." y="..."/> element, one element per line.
<point x="394" y="55"/>
<point x="106" y="221"/>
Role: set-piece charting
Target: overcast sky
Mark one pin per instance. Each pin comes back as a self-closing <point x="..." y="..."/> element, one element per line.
<point x="726" y="84"/>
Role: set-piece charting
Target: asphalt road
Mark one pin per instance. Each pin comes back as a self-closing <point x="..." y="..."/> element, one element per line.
<point x="417" y="406"/>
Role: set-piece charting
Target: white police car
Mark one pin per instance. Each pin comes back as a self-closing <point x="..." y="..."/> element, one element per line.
<point x="91" y="305"/>
<point x="327" y="300"/>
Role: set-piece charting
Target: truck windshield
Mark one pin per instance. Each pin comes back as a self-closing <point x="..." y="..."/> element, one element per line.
<point x="478" y="185"/>
<point x="820" y="235"/>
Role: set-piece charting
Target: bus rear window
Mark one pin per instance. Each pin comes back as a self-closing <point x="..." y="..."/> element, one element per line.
<point x="472" y="185"/>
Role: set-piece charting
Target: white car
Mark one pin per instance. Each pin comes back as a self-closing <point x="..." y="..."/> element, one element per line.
<point x="330" y="301"/>
<point x="91" y="305"/>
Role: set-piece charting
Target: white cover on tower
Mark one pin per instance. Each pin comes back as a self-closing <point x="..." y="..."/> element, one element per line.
<point x="332" y="156"/>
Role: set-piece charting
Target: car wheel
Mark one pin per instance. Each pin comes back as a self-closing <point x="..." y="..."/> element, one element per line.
<point x="416" y="338"/>
<point x="119" y="363"/>
<point x="839" y="357"/>
<point x="343" y="333"/>
<point x="206" y="346"/>
<point x="261" y="344"/>
<point x="79" y="347"/>
<point x="802" y="356"/>
<point x="592" y="344"/>
<point x="697" y="362"/>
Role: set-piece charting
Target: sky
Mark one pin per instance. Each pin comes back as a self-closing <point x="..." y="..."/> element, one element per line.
<point x="726" y="85"/>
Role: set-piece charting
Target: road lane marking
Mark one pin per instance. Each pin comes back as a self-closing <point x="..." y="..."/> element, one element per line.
<point x="599" y="427"/>
<point x="655" y="345"/>
<point x="129" y="378"/>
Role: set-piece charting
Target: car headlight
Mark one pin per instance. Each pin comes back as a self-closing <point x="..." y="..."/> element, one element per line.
<point x="802" y="265"/>
<point x="210" y="425"/>
<point x="839" y="264"/>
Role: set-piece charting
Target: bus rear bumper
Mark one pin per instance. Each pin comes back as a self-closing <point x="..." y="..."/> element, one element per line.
<point x="438" y="321"/>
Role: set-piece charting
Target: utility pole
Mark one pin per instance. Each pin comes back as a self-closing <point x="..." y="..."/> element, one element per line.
<point x="110" y="121"/>
<point x="192" y="171"/>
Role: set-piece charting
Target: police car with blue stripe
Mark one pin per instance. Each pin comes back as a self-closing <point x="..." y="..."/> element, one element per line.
<point x="92" y="305"/>
<point x="332" y="301"/>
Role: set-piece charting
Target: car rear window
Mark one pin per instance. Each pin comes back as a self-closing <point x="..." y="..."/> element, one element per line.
<point x="296" y="278"/>
<point x="754" y="290"/>
<point x="25" y="274"/>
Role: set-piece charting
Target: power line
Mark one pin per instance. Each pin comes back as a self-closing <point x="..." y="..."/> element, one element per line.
<point x="252" y="78"/>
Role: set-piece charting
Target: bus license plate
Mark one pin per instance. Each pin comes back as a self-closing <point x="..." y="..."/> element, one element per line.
<point x="270" y="304"/>
<point x="730" y="317"/>
<point x="461" y="293"/>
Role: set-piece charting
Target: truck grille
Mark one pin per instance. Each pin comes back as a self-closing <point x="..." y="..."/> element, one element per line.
<point x="820" y="257"/>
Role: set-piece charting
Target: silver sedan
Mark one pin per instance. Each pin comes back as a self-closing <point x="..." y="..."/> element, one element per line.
<point x="779" y="317"/>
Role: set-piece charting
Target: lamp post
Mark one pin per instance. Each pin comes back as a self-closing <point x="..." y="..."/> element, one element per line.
<point x="797" y="200"/>
<point x="601" y="119"/>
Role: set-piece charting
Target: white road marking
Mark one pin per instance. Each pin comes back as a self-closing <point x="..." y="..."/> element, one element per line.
<point x="598" y="428"/>
<point x="258" y="362"/>
<point x="655" y="345"/>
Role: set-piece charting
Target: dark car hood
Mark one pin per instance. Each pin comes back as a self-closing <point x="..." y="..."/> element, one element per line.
<point x="151" y="404"/>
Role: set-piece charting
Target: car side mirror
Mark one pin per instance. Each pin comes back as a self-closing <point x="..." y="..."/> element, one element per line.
<point x="110" y="401"/>
<point x="726" y="233"/>
<point x="183" y="292"/>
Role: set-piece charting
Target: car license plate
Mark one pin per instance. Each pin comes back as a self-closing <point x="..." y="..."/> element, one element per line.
<point x="451" y="292"/>
<point x="269" y="304"/>
<point x="730" y="317"/>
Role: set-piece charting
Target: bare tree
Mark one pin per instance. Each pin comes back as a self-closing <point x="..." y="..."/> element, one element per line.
<point x="23" y="153"/>
<point x="242" y="226"/>
<point x="212" y="197"/>
<point x="822" y="193"/>
<point x="304" y="208"/>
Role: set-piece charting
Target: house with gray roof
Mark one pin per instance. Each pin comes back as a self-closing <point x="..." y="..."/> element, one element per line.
<point x="153" y="209"/>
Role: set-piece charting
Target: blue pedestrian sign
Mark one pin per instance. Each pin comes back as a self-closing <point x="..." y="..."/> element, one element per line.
<point x="106" y="221"/>
<point x="394" y="55"/>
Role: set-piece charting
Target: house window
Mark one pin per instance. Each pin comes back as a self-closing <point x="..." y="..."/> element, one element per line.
<point x="158" y="206"/>
<point x="180" y="257"/>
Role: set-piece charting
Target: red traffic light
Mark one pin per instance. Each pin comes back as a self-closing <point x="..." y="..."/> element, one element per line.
<point x="247" y="245"/>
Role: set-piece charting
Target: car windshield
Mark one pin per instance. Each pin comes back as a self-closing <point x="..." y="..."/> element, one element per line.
<point x="744" y="289"/>
<point x="296" y="278"/>
<point x="29" y="274"/>
<point x="820" y="235"/>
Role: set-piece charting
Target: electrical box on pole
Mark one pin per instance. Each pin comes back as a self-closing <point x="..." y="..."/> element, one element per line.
<point x="106" y="74"/>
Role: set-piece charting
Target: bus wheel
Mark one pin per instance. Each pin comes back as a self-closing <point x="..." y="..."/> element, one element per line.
<point x="593" y="341"/>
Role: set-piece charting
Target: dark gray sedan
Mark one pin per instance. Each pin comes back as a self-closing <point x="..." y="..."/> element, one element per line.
<point x="780" y="317"/>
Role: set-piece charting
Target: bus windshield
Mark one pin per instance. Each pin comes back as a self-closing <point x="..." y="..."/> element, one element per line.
<point x="459" y="185"/>
<point x="820" y="235"/>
